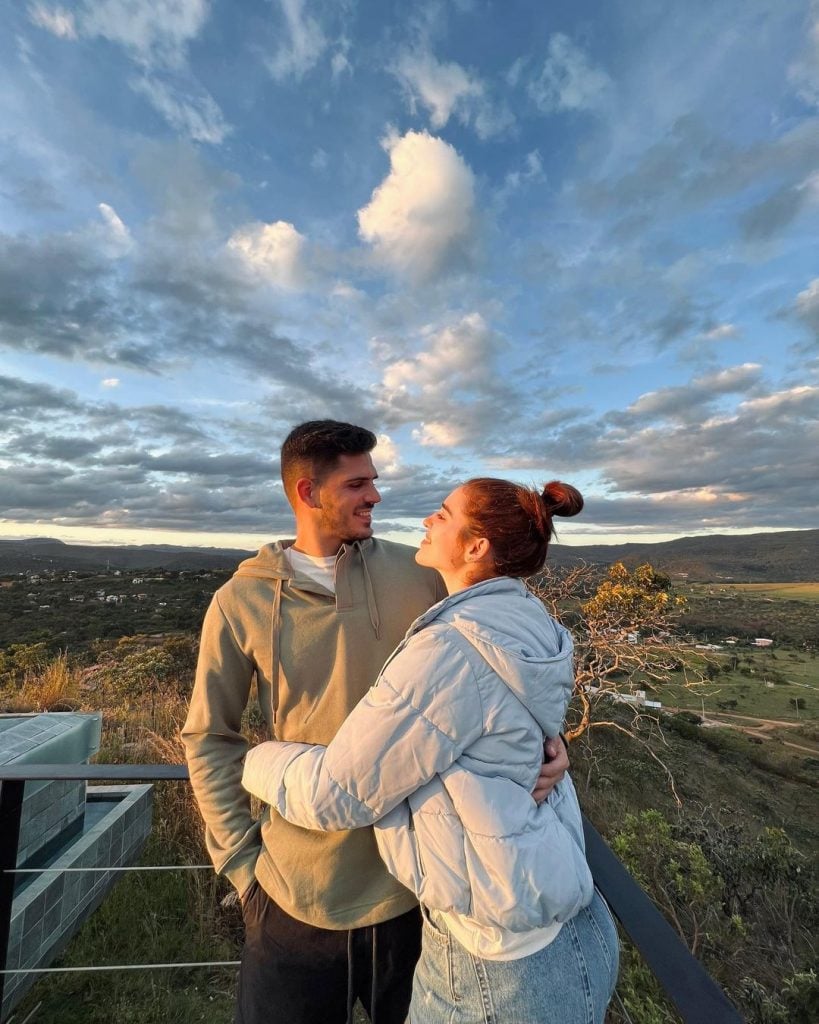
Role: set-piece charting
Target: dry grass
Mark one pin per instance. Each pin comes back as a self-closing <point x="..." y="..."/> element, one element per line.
<point x="53" y="687"/>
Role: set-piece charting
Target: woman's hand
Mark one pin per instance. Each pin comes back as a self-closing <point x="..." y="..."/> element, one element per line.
<point x="554" y="767"/>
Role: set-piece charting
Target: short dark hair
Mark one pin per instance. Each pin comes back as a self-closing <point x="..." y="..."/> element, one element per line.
<point x="314" y="448"/>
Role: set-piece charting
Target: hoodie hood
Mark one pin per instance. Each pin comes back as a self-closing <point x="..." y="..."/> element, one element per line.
<point x="521" y="642"/>
<point x="269" y="563"/>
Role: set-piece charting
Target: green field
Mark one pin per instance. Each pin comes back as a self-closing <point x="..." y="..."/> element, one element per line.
<point x="762" y="683"/>
<point x="770" y="591"/>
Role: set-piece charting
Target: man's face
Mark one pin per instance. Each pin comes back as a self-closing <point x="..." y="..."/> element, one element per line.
<point x="346" y="497"/>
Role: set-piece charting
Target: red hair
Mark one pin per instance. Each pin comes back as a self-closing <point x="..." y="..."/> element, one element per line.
<point x="517" y="520"/>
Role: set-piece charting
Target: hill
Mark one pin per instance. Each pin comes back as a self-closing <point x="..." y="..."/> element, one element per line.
<point x="792" y="556"/>
<point x="43" y="553"/>
<point x="788" y="557"/>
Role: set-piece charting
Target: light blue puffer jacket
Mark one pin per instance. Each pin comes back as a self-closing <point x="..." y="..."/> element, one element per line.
<point x="442" y="755"/>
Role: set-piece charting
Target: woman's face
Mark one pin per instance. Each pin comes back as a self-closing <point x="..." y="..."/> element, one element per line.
<point x="443" y="548"/>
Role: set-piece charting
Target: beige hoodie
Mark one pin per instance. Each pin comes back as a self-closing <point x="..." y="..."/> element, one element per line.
<point x="314" y="656"/>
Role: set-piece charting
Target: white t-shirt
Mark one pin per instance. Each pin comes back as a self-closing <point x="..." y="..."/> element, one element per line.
<point x="497" y="943"/>
<point x="320" y="568"/>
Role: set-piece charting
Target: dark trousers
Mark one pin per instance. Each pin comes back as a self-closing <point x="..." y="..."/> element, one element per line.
<point x="294" y="973"/>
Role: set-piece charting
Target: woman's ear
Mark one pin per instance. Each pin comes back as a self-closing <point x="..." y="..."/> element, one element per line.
<point x="478" y="549"/>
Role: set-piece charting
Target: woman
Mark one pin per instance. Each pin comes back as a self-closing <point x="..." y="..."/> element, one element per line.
<point x="442" y="755"/>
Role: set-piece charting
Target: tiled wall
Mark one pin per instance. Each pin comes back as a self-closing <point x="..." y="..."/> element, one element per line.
<point x="53" y="904"/>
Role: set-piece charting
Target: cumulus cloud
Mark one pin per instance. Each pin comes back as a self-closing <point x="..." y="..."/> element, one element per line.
<point x="420" y="220"/>
<point x="568" y="79"/>
<point x="110" y="382"/>
<point x="275" y="252"/>
<point x="687" y="403"/>
<point x="303" y="46"/>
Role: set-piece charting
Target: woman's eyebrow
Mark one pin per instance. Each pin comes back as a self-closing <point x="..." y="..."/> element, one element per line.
<point x="446" y="507"/>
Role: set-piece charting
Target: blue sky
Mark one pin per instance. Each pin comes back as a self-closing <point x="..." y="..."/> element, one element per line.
<point x="538" y="240"/>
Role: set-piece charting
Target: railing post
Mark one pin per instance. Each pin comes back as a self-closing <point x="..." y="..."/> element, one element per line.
<point x="11" y="806"/>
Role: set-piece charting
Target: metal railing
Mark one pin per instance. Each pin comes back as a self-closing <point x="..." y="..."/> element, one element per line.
<point x="695" y="995"/>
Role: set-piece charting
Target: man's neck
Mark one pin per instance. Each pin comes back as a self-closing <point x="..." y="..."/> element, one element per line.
<point x="316" y="545"/>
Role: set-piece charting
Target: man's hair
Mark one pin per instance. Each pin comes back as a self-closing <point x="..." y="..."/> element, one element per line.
<point x="313" y="449"/>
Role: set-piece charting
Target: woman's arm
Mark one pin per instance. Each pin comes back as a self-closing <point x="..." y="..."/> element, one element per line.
<point x="424" y="711"/>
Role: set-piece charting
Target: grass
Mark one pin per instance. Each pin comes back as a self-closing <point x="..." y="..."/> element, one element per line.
<point x="792" y="675"/>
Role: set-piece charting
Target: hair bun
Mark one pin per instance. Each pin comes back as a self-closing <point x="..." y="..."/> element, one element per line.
<point x="562" y="499"/>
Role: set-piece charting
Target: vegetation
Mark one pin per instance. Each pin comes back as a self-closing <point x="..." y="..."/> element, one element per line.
<point x="728" y="853"/>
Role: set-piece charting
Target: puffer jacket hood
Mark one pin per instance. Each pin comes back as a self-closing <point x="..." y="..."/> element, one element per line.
<point x="515" y="639"/>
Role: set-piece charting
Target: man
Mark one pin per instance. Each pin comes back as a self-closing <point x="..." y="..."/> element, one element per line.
<point x="312" y="621"/>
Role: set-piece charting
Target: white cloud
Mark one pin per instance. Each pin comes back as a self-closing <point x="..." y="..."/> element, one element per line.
<point x="804" y="71"/>
<point x="56" y="20"/>
<point x="110" y="382"/>
<point x="275" y="252"/>
<point x="190" y="110"/>
<point x="154" y="31"/>
<point x="441" y="88"/>
<point x="450" y="387"/>
<point x="119" y="237"/>
<point x="449" y="90"/>
<point x="568" y="80"/>
<point x="721" y="332"/>
<point x="420" y="219"/>
<point x="387" y="456"/>
<point x="304" y="45"/>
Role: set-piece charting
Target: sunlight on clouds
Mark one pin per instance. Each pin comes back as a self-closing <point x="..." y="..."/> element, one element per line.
<point x="56" y="20"/>
<point x="387" y="456"/>
<point x="110" y="382"/>
<point x="439" y="435"/>
<point x="275" y="252"/>
<point x="420" y="219"/>
<point x="456" y="358"/>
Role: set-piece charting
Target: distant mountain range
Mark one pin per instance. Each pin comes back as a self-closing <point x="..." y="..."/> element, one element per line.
<point x="787" y="557"/>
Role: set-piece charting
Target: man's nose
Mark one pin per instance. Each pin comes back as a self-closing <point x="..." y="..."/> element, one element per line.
<point x="374" y="496"/>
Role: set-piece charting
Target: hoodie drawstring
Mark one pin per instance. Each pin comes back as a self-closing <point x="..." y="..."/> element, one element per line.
<point x="373" y="987"/>
<point x="275" y="656"/>
<point x="350" y="996"/>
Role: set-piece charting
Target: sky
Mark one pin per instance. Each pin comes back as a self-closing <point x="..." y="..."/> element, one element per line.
<point x="552" y="239"/>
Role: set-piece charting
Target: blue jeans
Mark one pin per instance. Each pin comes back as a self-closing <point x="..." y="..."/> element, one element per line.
<point x="570" y="981"/>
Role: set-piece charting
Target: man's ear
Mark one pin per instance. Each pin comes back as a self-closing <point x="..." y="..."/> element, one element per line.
<point x="307" y="491"/>
<point x="477" y="550"/>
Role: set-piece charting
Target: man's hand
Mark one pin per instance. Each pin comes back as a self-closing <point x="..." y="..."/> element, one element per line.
<point x="554" y="767"/>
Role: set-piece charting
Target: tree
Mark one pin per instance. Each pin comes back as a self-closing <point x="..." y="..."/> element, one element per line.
<point x="622" y="628"/>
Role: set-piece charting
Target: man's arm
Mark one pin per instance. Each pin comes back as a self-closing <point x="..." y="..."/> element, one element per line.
<point x="215" y="748"/>
<point x="554" y="767"/>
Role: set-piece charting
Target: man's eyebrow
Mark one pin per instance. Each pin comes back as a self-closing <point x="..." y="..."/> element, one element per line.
<point x="358" y="479"/>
